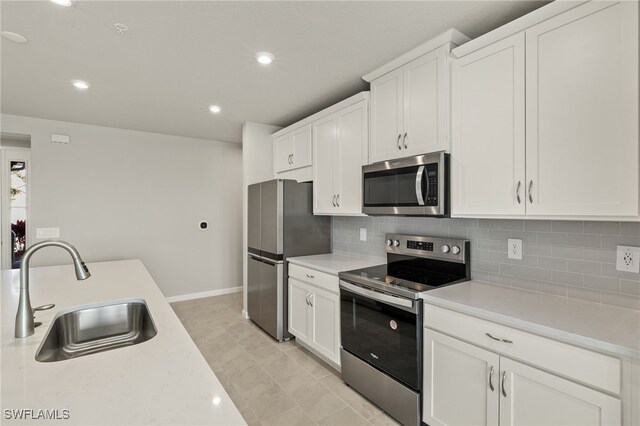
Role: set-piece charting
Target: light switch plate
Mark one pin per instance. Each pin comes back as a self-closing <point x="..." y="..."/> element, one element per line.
<point x="363" y="234"/>
<point x="514" y="250"/>
<point x="47" y="233"/>
<point x="628" y="259"/>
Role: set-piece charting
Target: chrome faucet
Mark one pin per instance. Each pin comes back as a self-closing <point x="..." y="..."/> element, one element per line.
<point x="24" y="317"/>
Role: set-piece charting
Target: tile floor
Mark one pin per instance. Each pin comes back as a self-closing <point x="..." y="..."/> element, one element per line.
<point x="271" y="383"/>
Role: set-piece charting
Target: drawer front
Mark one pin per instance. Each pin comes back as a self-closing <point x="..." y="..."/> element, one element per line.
<point x="311" y="276"/>
<point x="592" y="368"/>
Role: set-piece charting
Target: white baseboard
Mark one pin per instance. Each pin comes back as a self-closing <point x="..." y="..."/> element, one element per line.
<point x="211" y="293"/>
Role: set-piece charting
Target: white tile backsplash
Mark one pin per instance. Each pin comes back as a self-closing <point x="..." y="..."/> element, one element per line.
<point x="566" y="258"/>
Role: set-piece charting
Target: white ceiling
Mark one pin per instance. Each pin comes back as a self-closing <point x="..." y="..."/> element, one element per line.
<point x="179" y="57"/>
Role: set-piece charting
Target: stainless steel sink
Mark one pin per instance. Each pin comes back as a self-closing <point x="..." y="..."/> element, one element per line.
<point x="100" y="327"/>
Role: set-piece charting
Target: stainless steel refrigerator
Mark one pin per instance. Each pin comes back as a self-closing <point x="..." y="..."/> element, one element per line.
<point x="281" y="224"/>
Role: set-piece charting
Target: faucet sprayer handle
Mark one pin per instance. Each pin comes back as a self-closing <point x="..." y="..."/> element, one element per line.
<point x="43" y="307"/>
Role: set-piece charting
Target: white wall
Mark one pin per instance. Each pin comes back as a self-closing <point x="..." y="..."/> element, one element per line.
<point x="122" y="194"/>
<point x="257" y="166"/>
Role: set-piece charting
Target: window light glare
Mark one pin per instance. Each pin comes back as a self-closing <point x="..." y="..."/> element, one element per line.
<point x="65" y="3"/>
<point x="215" y="109"/>
<point x="265" y="58"/>
<point x="79" y="84"/>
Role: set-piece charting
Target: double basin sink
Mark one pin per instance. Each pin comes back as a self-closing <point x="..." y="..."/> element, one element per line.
<point x="98" y="327"/>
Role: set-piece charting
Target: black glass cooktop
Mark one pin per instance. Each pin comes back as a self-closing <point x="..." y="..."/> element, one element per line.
<point x="412" y="274"/>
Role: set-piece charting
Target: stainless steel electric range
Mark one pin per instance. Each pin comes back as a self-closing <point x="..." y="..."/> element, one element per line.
<point x="381" y="319"/>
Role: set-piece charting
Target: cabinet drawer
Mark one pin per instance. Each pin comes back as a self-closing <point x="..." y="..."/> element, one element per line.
<point x="319" y="279"/>
<point x="592" y="368"/>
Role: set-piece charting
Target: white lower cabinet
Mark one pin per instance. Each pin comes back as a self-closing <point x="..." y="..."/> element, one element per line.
<point x="465" y="384"/>
<point x="314" y="309"/>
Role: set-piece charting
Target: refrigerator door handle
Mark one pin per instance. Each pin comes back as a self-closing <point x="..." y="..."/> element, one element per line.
<point x="264" y="259"/>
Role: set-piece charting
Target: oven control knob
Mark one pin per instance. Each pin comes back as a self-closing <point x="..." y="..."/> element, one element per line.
<point x="445" y="248"/>
<point x="455" y="250"/>
<point x="389" y="243"/>
<point x="396" y="243"/>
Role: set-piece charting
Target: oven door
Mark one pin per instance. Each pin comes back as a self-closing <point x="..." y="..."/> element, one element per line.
<point x="383" y="330"/>
<point x="409" y="186"/>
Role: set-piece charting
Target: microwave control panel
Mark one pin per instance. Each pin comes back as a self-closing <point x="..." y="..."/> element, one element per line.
<point x="432" y="184"/>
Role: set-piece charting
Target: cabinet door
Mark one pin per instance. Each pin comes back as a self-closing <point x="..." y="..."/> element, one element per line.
<point x="425" y="118"/>
<point x="301" y="147"/>
<point x="350" y="156"/>
<point x="582" y="112"/>
<point x="326" y="327"/>
<point x="488" y="146"/>
<point x="534" y="397"/>
<point x="283" y="149"/>
<point x="325" y="146"/>
<point x="460" y="382"/>
<point x="387" y="106"/>
<point x="299" y="310"/>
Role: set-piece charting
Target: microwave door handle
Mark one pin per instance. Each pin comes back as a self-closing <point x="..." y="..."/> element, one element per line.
<point x="419" y="185"/>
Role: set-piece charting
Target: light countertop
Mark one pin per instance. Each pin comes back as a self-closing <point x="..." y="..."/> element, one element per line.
<point x="164" y="380"/>
<point x="333" y="263"/>
<point x="594" y="326"/>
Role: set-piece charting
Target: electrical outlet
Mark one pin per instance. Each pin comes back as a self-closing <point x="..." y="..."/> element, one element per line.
<point x="628" y="259"/>
<point x="514" y="248"/>
<point x="363" y="234"/>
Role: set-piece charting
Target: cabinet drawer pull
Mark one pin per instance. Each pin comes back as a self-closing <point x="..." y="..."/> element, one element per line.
<point x="504" y="378"/>
<point x="491" y="379"/>
<point x="398" y="142"/>
<point x="530" y="194"/>
<point x="518" y="191"/>
<point x="338" y="200"/>
<point x="404" y="140"/>
<point x="310" y="276"/>
<point x="498" y="339"/>
<point x="333" y="200"/>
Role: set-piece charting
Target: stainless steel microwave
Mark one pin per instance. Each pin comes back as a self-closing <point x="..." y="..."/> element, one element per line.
<point x="414" y="186"/>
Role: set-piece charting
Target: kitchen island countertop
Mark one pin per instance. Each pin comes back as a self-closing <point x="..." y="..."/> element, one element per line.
<point x="164" y="380"/>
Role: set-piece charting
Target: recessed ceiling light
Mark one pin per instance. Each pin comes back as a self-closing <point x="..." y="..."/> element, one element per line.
<point x="215" y="109"/>
<point x="14" y="37"/>
<point x="121" y="28"/>
<point x="64" y="3"/>
<point x="265" y="58"/>
<point x="79" y="84"/>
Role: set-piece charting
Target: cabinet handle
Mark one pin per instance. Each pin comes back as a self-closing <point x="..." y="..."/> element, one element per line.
<point x="491" y="379"/>
<point x="498" y="339"/>
<point x="292" y="160"/>
<point x="307" y="299"/>
<point x="530" y="194"/>
<point x="310" y="276"/>
<point x="338" y="200"/>
<point x="398" y="142"/>
<point x="333" y="200"/>
<point x="404" y="140"/>
<point x="289" y="159"/>
<point x="518" y="191"/>
<point x="504" y="377"/>
<point x="311" y="301"/>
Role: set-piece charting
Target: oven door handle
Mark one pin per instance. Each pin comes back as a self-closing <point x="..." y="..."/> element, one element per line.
<point x="419" y="185"/>
<point x="376" y="295"/>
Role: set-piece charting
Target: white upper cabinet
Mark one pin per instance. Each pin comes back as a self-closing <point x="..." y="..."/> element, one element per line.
<point x="293" y="150"/>
<point x="387" y="109"/>
<point x="487" y="165"/>
<point x="409" y="101"/>
<point x="582" y="112"/>
<point x="573" y="79"/>
<point x="340" y="150"/>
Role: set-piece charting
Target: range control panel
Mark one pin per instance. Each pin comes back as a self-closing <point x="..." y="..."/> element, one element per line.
<point x="450" y="249"/>
<point x="420" y="245"/>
